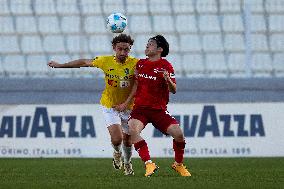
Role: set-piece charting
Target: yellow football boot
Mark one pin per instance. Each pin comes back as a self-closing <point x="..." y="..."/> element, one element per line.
<point x="150" y="169"/>
<point x="181" y="169"/>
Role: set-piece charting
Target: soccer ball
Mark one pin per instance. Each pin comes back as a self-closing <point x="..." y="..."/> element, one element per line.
<point x="116" y="22"/>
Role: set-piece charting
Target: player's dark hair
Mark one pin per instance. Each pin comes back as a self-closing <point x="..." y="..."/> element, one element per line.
<point x="163" y="43"/>
<point x="122" y="38"/>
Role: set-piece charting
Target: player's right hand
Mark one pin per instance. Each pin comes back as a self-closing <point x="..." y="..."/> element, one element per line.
<point x="53" y="64"/>
<point x="120" y="107"/>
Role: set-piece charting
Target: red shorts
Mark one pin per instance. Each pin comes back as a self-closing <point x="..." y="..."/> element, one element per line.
<point x="161" y="119"/>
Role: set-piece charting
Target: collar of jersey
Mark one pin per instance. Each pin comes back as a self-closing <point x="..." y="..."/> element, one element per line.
<point x="154" y="62"/>
<point x="114" y="58"/>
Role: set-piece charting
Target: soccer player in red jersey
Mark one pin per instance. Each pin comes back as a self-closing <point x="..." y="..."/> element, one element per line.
<point x="154" y="80"/>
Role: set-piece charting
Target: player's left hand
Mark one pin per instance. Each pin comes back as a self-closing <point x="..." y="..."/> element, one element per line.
<point x="166" y="75"/>
<point x="120" y="107"/>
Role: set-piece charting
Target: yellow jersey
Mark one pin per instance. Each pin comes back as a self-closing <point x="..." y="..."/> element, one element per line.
<point x="119" y="79"/>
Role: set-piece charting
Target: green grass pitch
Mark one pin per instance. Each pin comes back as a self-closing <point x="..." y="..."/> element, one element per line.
<point x="99" y="173"/>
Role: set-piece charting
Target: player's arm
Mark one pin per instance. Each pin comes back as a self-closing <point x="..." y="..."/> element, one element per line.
<point x="124" y="105"/>
<point x="72" y="64"/>
<point x="172" y="86"/>
<point x="132" y="93"/>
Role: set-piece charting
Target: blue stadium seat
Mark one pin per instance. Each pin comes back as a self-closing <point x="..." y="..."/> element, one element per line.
<point x="31" y="44"/>
<point x="100" y="44"/>
<point x="274" y="6"/>
<point x="6" y="25"/>
<point x="276" y="23"/>
<point x="206" y="6"/>
<point x="193" y="64"/>
<point x="77" y="44"/>
<point x="110" y="6"/>
<point x="20" y="7"/>
<point x="256" y="6"/>
<point x="140" y="44"/>
<point x="176" y="61"/>
<point x="259" y="42"/>
<point x="54" y="44"/>
<point x="232" y="6"/>
<point x="37" y="65"/>
<point x="258" y="23"/>
<point x="48" y="24"/>
<point x="216" y="65"/>
<point x="4" y="9"/>
<point x="91" y="7"/>
<point x="183" y="6"/>
<point x="11" y="42"/>
<point x="26" y="25"/>
<point x="200" y="30"/>
<point x="14" y="65"/>
<point x="236" y="64"/>
<point x="278" y="65"/>
<point x="186" y="24"/>
<point x="46" y="7"/>
<point x="190" y="42"/>
<point x="234" y="42"/>
<point x="136" y="7"/>
<point x="95" y="24"/>
<point x="2" y="72"/>
<point x="163" y="24"/>
<point x="232" y="23"/>
<point x="139" y="24"/>
<point x="70" y="24"/>
<point x="173" y="42"/>
<point x="215" y="46"/>
<point x="160" y="6"/>
<point x="277" y="42"/>
<point x="261" y="65"/>
<point x="61" y="58"/>
<point x="214" y="25"/>
<point x="67" y="7"/>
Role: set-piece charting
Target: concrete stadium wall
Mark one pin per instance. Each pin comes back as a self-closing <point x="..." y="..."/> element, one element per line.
<point x="88" y="91"/>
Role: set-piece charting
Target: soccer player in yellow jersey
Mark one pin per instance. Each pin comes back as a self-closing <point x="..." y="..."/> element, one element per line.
<point x="116" y="101"/>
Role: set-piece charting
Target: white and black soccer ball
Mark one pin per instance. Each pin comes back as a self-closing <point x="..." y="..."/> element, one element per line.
<point x="116" y="22"/>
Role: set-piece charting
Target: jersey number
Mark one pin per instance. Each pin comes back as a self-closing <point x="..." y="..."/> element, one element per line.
<point x="124" y="84"/>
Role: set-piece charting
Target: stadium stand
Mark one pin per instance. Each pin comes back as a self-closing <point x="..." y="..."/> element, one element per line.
<point x="208" y="38"/>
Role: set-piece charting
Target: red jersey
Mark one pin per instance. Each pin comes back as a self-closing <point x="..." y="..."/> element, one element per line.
<point x="152" y="90"/>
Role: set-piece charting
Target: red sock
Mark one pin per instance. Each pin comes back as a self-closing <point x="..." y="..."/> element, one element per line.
<point x="142" y="149"/>
<point x="179" y="150"/>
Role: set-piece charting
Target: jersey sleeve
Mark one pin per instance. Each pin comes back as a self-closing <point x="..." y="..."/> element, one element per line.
<point x="171" y="71"/>
<point x="136" y="69"/>
<point x="98" y="62"/>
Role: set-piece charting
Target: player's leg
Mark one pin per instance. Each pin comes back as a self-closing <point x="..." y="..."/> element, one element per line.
<point x="178" y="145"/>
<point x="113" y="123"/>
<point x="140" y="145"/>
<point x="167" y="124"/>
<point x="116" y="140"/>
<point x="127" y="153"/>
<point x="126" y="145"/>
<point x="127" y="148"/>
<point x="135" y="128"/>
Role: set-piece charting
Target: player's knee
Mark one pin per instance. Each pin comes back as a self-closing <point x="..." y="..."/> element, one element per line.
<point x="127" y="140"/>
<point x="116" y="140"/>
<point x="178" y="136"/>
